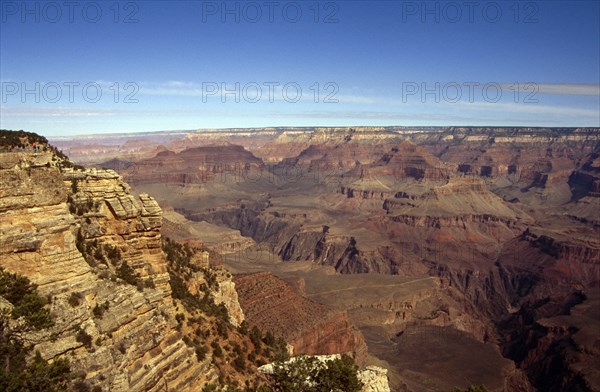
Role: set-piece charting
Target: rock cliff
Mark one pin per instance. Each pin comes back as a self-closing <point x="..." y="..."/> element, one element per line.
<point x="311" y="328"/>
<point x="48" y="214"/>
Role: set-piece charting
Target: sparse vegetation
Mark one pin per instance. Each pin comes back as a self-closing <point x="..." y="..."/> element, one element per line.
<point x="201" y="352"/>
<point x="32" y="142"/>
<point x="83" y="337"/>
<point x="95" y="253"/>
<point x="217" y="352"/>
<point x="149" y="283"/>
<point x="19" y="139"/>
<point x="18" y="372"/>
<point x="75" y="299"/>
<point x="100" y="309"/>
<point x="80" y="206"/>
<point x="128" y="274"/>
<point x="232" y="352"/>
<point x="22" y="294"/>
<point x="181" y="269"/>
<point x="308" y="374"/>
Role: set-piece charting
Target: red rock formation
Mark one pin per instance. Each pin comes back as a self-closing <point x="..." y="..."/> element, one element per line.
<point x="311" y="328"/>
<point x="195" y="166"/>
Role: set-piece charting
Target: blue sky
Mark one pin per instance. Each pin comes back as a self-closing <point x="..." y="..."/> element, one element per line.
<point x="212" y="64"/>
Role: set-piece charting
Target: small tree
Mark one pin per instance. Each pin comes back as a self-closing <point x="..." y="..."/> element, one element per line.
<point x="74" y="186"/>
<point x="339" y="374"/>
<point x="296" y="375"/>
<point x="16" y="372"/>
<point x="308" y="374"/>
<point x="127" y="273"/>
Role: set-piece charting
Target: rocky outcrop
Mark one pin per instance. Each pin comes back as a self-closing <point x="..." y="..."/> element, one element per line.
<point x="226" y="294"/>
<point x="117" y="219"/>
<point x="196" y="166"/>
<point x="497" y="152"/>
<point x="555" y="341"/>
<point x="134" y="345"/>
<point x="311" y="328"/>
<point x="366" y="193"/>
<point x="374" y="379"/>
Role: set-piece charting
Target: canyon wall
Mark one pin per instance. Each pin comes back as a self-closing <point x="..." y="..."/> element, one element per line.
<point x="135" y="345"/>
<point x="311" y="328"/>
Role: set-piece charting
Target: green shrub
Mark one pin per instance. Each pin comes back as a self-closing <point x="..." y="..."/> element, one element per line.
<point x="244" y="329"/>
<point x="239" y="363"/>
<point x="81" y="386"/>
<point x="127" y="273"/>
<point x="84" y="338"/>
<point x="20" y="292"/>
<point x="16" y="372"/>
<point x="100" y="309"/>
<point x="307" y="374"/>
<point x="44" y="376"/>
<point x="74" y="299"/>
<point x="217" y="351"/>
<point x="149" y="283"/>
<point x="181" y="269"/>
<point x="201" y="352"/>
<point x="339" y="374"/>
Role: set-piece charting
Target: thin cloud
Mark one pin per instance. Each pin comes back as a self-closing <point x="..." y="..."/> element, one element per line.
<point x="9" y="111"/>
<point x="529" y="108"/>
<point x="391" y="116"/>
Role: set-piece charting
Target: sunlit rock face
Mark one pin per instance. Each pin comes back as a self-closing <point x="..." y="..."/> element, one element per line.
<point x="311" y="328"/>
<point x="136" y="345"/>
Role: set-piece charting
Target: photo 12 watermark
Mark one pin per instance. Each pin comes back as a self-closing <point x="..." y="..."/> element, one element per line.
<point x="453" y="92"/>
<point x="270" y="11"/>
<point x="69" y="11"/>
<point x="470" y="11"/>
<point x="254" y="92"/>
<point x="65" y="91"/>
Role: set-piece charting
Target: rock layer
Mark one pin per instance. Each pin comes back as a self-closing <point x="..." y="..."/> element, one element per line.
<point x="136" y="346"/>
<point x="311" y="328"/>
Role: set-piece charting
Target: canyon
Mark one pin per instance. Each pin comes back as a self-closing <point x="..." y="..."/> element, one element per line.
<point x="448" y="256"/>
<point x="120" y="290"/>
<point x="423" y="238"/>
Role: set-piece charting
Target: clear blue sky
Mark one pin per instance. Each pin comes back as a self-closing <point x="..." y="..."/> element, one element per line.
<point x="370" y="62"/>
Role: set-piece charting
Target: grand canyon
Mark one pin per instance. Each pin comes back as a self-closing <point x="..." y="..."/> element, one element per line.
<point x="435" y="257"/>
<point x="299" y="196"/>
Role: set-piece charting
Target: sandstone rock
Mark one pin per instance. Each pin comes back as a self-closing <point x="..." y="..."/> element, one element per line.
<point x="374" y="379"/>
<point x="227" y="295"/>
<point x="311" y="328"/>
<point x="136" y="346"/>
